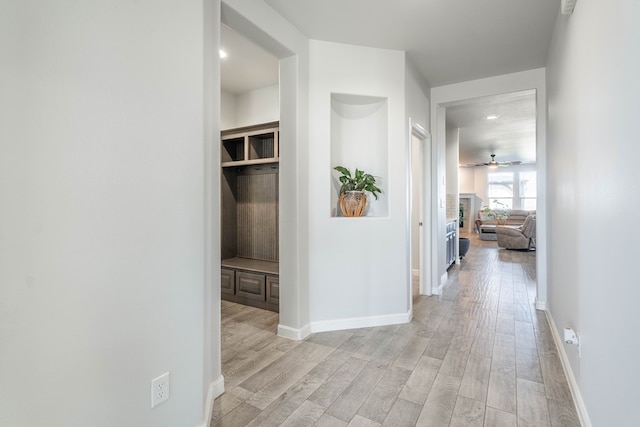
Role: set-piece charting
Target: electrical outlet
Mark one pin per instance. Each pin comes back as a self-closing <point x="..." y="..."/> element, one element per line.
<point x="160" y="389"/>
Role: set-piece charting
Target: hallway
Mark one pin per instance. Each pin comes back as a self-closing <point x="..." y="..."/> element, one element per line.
<point x="478" y="355"/>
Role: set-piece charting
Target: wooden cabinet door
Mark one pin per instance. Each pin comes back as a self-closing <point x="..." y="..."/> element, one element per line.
<point x="228" y="283"/>
<point x="250" y="286"/>
<point x="273" y="290"/>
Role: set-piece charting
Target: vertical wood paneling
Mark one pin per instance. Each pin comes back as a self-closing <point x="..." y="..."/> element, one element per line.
<point x="257" y="206"/>
<point x="261" y="147"/>
<point x="228" y="214"/>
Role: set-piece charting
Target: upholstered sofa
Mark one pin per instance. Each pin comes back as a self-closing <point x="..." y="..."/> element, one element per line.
<point x="486" y="225"/>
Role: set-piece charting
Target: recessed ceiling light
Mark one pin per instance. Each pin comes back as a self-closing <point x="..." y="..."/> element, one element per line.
<point x="492" y="117"/>
<point x="223" y="54"/>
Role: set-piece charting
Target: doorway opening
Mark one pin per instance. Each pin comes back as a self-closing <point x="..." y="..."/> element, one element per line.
<point x="250" y="151"/>
<point x="420" y="214"/>
<point x="491" y="145"/>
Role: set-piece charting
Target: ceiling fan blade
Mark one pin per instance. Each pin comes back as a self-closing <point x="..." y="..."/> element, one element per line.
<point x="513" y="163"/>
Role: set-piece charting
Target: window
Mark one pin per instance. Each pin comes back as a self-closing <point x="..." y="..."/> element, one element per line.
<point x="500" y="190"/>
<point x="512" y="190"/>
<point x="528" y="190"/>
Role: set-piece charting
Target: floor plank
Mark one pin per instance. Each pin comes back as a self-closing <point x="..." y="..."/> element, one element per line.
<point x="532" y="404"/>
<point x="356" y="393"/>
<point x="438" y="408"/>
<point x="468" y="413"/>
<point x="402" y="413"/>
<point x="384" y="395"/>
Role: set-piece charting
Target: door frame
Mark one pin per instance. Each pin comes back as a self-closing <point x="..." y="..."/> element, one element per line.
<point x="424" y="213"/>
<point x="515" y="82"/>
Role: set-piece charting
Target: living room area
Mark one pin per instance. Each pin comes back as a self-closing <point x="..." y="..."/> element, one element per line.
<point x="491" y="178"/>
<point x="508" y="217"/>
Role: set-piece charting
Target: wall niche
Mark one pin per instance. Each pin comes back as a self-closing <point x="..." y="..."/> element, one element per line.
<point x="360" y="139"/>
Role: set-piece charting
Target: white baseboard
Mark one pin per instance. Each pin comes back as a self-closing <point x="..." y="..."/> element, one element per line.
<point x="541" y="305"/>
<point x="361" y="322"/>
<point x="294" y="334"/>
<point x="437" y="290"/>
<point x="215" y="389"/>
<point x="581" y="409"/>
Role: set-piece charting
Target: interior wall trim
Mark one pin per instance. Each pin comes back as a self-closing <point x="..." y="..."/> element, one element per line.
<point x="216" y="389"/>
<point x="581" y="409"/>
<point x="293" y="333"/>
<point x="438" y="289"/>
<point x="541" y="305"/>
<point x="361" y="322"/>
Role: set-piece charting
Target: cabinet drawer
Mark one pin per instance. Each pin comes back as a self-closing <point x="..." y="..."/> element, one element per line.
<point x="250" y="286"/>
<point x="228" y="281"/>
<point x="273" y="289"/>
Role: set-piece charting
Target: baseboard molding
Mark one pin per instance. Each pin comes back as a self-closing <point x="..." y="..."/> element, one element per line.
<point x="294" y="334"/>
<point x="541" y="305"/>
<point x="581" y="409"/>
<point x="437" y="290"/>
<point x="216" y="389"/>
<point x="361" y="322"/>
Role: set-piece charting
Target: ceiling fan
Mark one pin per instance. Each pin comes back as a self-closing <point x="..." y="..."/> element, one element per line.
<point x="494" y="164"/>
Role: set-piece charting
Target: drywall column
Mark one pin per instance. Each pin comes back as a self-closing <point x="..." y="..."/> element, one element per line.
<point x="451" y="159"/>
<point x="358" y="268"/>
<point x="212" y="363"/>
<point x="102" y="247"/>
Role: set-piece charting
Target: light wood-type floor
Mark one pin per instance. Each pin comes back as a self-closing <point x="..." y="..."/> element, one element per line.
<point x="478" y="355"/>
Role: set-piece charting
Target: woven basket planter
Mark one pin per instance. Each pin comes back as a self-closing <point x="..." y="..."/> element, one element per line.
<point x="353" y="203"/>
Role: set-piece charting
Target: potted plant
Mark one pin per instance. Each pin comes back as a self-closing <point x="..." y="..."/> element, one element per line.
<point x="499" y="216"/>
<point x="353" y="190"/>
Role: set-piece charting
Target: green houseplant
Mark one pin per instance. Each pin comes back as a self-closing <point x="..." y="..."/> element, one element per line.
<point x="499" y="216"/>
<point x="353" y="189"/>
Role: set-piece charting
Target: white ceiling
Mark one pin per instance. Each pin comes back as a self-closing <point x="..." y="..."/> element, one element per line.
<point x="247" y="67"/>
<point x="511" y="137"/>
<point x="449" y="41"/>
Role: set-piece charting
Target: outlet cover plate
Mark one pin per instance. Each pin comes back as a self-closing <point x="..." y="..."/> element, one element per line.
<point x="160" y="389"/>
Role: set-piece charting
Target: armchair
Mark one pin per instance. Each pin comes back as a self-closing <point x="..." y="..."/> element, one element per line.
<point x="523" y="237"/>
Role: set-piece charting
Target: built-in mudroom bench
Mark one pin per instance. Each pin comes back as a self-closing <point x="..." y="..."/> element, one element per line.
<point x="251" y="282"/>
<point x="249" y="216"/>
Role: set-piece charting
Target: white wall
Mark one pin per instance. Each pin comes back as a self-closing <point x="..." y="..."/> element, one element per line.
<point x="249" y="108"/>
<point x="258" y="106"/>
<point x="228" y="110"/>
<point x="594" y="95"/>
<point x="466" y="180"/>
<point x="358" y="267"/>
<point x="102" y="259"/>
<point x="452" y="149"/>
<point x="417" y="110"/>
<point x="416" y="93"/>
